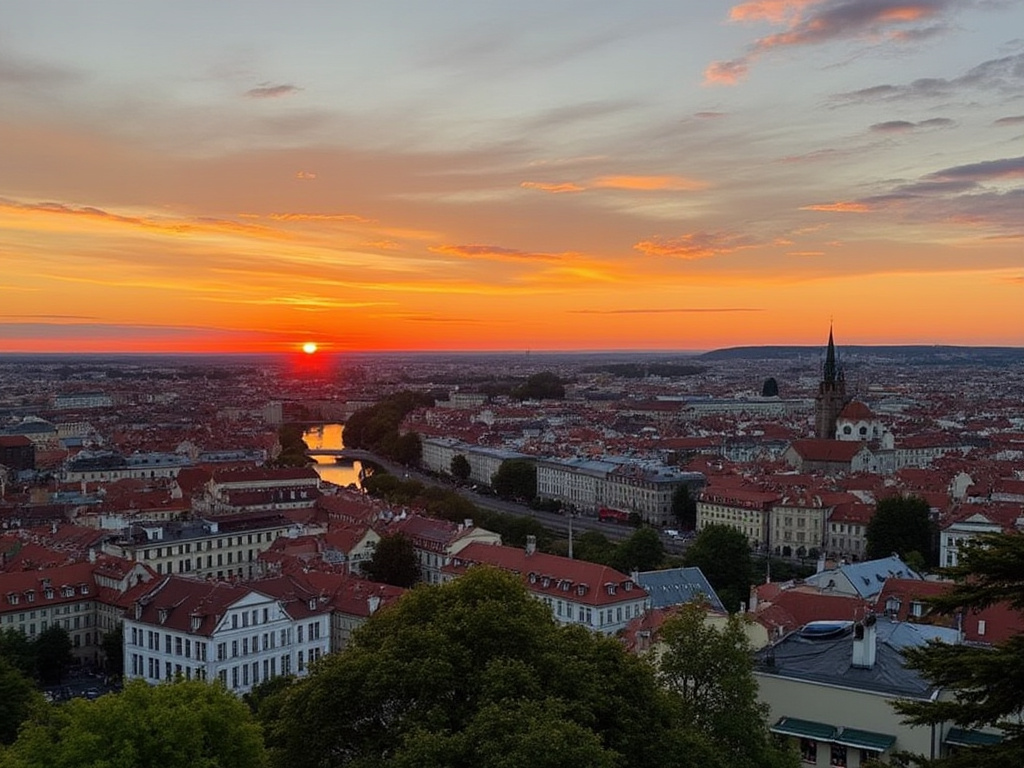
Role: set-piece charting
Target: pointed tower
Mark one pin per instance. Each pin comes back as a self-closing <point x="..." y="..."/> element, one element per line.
<point x="831" y="394"/>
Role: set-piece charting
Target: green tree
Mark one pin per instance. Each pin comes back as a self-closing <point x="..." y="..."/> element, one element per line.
<point x="770" y="388"/>
<point x="377" y="428"/>
<point x="477" y="673"/>
<point x="711" y="670"/>
<point x="900" y="525"/>
<point x="642" y="551"/>
<point x="19" y="651"/>
<point x="113" y="650"/>
<point x="541" y="386"/>
<point x="723" y="555"/>
<point x="594" y="547"/>
<point x="986" y="683"/>
<point x="293" y="447"/>
<point x="516" y="479"/>
<point x="460" y="468"/>
<point x="188" y="724"/>
<point x="408" y="449"/>
<point x="394" y="561"/>
<point x="684" y="508"/>
<point x="17" y="697"/>
<point x="53" y="653"/>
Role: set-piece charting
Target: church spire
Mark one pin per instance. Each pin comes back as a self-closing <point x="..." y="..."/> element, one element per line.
<point x="830" y="374"/>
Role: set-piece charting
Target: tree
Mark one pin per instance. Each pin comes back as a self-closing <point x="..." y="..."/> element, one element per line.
<point x="541" y="386"/>
<point x="684" y="508"/>
<point x="723" y="555"/>
<point x="394" y="561"/>
<point x="770" y="388"/>
<point x="293" y="447"/>
<point x="19" y="651"/>
<point x="986" y="682"/>
<point x="711" y="669"/>
<point x="17" y="696"/>
<point x="643" y="551"/>
<point x="900" y="525"/>
<point x="515" y="479"/>
<point x="113" y="650"/>
<point x="460" y="467"/>
<point x="53" y="653"/>
<point x="476" y="672"/>
<point x="187" y="724"/>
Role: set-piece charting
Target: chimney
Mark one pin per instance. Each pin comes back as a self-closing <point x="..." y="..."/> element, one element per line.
<point x="531" y="544"/>
<point x="865" y="643"/>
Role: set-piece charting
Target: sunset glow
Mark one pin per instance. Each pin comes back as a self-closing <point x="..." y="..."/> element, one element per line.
<point x="485" y="176"/>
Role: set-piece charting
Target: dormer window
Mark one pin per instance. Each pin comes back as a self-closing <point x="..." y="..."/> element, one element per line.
<point x="545" y="582"/>
<point x="533" y="577"/>
<point x="197" y="621"/>
<point x="564" y="585"/>
<point x="611" y="588"/>
<point x="48" y="593"/>
<point x="581" y="589"/>
<point x="84" y="589"/>
<point x="67" y="591"/>
<point x="162" y="615"/>
<point x="916" y="609"/>
<point x="627" y="585"/>
<point x="13" y="598"/>
<point x="312" y="604"/>
<point x="31" y="595"/>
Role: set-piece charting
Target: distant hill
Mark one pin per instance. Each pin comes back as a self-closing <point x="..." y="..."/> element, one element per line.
<point x="909" y="354"/>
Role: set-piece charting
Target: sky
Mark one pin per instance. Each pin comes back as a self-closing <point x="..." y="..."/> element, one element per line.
<point x="247" y="176"/>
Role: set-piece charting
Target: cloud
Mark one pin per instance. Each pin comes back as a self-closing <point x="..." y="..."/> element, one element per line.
<point x="555" y="188"/>
<point x="305" y="175"/>
<point x="901" y="126"/>
<point x="1015" y="120"/>
<point x="1006" y="168"/>
<point x="672" y="311"/>
<point x="709" y="115"/>
<point x="808" y="254"/>
<point x="496" y="252"/>
<point x="21" y="72"/>
<point x="813" y="22"/>
<point x="695" y="245"/>
<point x="1005" y="74"/>
<point x="318" y="217"/>
<point x="272" y="91"/>
<point x="624" y="182"/>
<point x="843" y="206"/>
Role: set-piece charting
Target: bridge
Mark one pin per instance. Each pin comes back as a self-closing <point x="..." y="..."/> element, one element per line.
<point x="340" y="453"/>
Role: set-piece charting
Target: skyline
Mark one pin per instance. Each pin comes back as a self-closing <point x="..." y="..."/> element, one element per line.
<point x="239" y="177"/>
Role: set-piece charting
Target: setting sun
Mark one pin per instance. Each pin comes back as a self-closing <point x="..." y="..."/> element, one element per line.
<point x="309" y="347"/>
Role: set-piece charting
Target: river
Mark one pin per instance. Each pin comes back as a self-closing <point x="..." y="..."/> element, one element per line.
<point x="329" y="436"/>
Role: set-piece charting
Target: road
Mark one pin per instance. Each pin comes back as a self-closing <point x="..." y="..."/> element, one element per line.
<point x="551" y="520"/>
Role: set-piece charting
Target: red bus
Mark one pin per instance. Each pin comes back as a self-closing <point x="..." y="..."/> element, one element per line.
<point x="612" y="515"/>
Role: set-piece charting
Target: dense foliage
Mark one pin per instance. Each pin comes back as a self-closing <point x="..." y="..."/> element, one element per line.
<point x="293" y="447"/>
<point x="723" y="555"/>
<point x="901" y="525"/>
<point x="684" y="508"/>
<point x="187" y="724"/>
<point x="540" y="386"/>
<point x="17" y="697"/>
<point x="516" y="479"/>
<point x="477" y="673"/>
<point x="376" y="428"/>
<point x="53" y="654"/>
<point x="711" y="670"/>
<point x="460" y="468"/>
<point x="986" y="682"/>
<point x="394" y="561"/>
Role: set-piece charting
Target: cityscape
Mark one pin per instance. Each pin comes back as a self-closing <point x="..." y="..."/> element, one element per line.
<point x="158" y="500"/>
<point x="512" y="385"/>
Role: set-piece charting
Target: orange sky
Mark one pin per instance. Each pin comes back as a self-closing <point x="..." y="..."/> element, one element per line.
<point x="197" y="178"/>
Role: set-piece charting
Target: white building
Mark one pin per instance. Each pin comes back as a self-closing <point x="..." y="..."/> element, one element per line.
<point x="240" y="635"/>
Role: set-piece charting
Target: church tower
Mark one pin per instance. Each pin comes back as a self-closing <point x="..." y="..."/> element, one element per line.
<point x="831" y="394"/>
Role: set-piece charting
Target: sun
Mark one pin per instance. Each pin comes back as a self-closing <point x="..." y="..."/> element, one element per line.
<point x="309" y="347"/>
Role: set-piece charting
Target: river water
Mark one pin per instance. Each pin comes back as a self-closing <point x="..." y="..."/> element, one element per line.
<point x="329" y="436"/>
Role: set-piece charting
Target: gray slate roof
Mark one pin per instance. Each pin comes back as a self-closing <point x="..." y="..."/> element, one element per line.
<point x="677" y="586"/>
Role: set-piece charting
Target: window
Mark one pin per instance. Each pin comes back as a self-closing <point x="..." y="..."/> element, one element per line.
<point x="809" y="751"/>
<point x="838" y="756"/>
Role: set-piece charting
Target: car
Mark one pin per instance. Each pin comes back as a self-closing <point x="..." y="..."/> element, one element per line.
<point x="672" y="533"/>
<point x="92" y="693"/>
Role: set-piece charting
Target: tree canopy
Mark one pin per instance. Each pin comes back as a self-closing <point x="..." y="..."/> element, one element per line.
<point x="642" y="551"/>
<point x="376" y="428"/>
<point x="293" y="447"/>
<point x="187" y="724"/>
<point x="723" y="555"/>
<point x="711" y="669"/>
<point x="684" y="508"/>
<point x="540" y="386"/>
<point x="460" y="468"/>
<point x="516" y="479"/>
<point x="393" y="561"/>
<point x="17" y="696"/>
<point x="477" y="673"/>
<point x="900" y="525"/>
<point x="53" y="653"/>
<point x="986" y="682"/>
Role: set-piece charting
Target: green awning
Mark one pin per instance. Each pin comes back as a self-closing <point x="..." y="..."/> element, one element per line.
<point x="804" y="729"/>
<point x="965" y="737"/>
<point x="852" y="737"/>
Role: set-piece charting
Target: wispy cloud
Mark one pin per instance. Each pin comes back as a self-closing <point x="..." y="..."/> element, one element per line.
<point x="495" y="252"/>
<point x="1014" y="120"/>
<point x="843" y="206"/>
<point x="696" y="245"/>
<point x="633" y="183"/>
<point x="904" y="126"/>
<point x="668" y="311"/>
<point x="813" y="22"/>
<point x="272" y="91"/>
